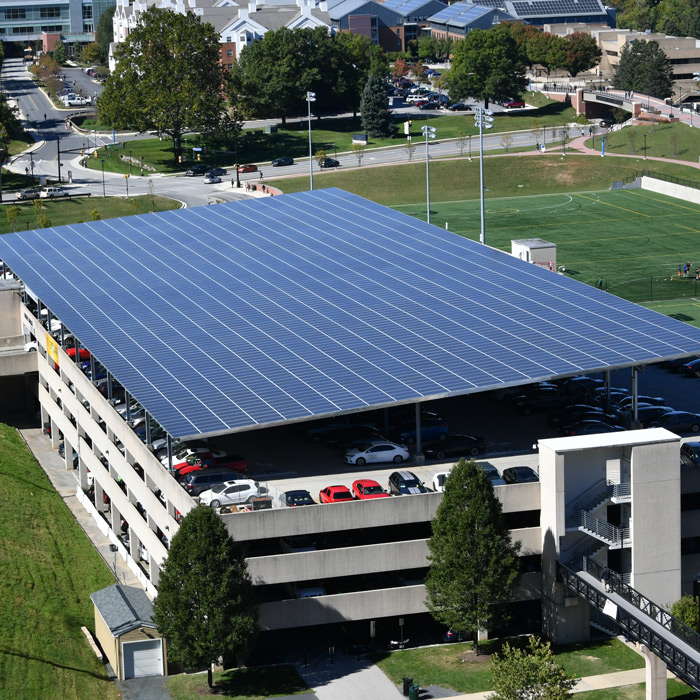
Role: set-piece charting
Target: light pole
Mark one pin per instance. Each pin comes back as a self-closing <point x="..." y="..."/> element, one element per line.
<point x="103" y="177"/>
<point x="484" y="120"/>
<point x="126" y="179"/>
<point x="310" y="97"/>
<point x="429" y="133"/>
<point x="31" y="160"/>
<point x="645" y="146"/>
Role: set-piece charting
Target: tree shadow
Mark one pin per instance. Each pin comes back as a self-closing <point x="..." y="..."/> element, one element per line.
<point x="29" y="657"/>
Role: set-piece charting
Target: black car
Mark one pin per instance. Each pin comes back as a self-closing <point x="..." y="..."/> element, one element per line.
<point x="329" y="163"/>
<point x="196" y="170"/>
<point x="404" y="483"/>
<point x="585" y="418"/>
<point x="538" y="400"/>
<point x="455" y="446"/>
<point x="278" y="162"/>
<point x="691" y="368"/>
<point x="216" y="172"/>
<point x="690" y="454"/>
<point x="592" y="427"/>
<point x="681" y="421"/>
<point x="519" y="475"/>
<point x="297" y="498"/>
<point x="460" y="107"/>
<point x="429" y="105"/>
<point x="572" y="414"/>
<point x="647" y="414"/>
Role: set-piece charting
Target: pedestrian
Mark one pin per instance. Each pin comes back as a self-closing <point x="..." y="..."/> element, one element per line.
<point x="599" y="283"/>
<point x="263" y="189"/>
<point x="697" y="273"/>
<point x="679" y="272"/>
<point x="261" y="175"/>
<point x="583" y="133"/>
<point x="688" y="264"/>
<point x="231" y="183"/>
<point x="605" y="578"/>
<point x="26" y="171"/>
<point x="590" y="131"/>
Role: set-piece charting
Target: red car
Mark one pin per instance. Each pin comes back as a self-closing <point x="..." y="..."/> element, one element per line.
<point x="513" y="103"/>
<point x="335" y="494"/>
<point x="195" y="463"/>
<point x="420" y="103"/>
<point x="249" y="168"/>
<point x="84" y="354"/>
<point x="365" y="489"/>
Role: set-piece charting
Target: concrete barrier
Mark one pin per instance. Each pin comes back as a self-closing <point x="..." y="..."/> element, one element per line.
<point x="671" y="189"/>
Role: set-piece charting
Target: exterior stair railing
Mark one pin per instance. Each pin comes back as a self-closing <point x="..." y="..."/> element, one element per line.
<point x="604" y="531"/>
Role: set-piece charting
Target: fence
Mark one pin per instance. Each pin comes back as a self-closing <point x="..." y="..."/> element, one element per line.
<point x="666" y="178"/>
<point x="654" y="288"/>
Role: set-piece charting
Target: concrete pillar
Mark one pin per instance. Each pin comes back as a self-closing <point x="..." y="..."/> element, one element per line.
<point x="55" y="440"/>
<point x="99" y="497"/>
<point x="134" y="544"/>
<point x="68" y="455"/>
<point x="82" y="474"/>
<point x="153" y="572"/>
<point x="482" y="635"/>
<point x="116" y="520"/>
<point x="655" y="673"/>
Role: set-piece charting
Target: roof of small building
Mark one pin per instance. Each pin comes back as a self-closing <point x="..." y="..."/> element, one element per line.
<point x="534" y="243"/>
<point x="123" y="608"/>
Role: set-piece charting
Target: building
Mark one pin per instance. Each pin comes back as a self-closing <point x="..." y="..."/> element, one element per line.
<point x="456" y="20"/>
<point x="242" y="319"/>
<point x="391" y="24"/>
<point x="41" y="25"/>
<point x="238" y="23"/>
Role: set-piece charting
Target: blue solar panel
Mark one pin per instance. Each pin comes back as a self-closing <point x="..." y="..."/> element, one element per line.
<point x="450" y="11"/>
<point x="258" y="312"/>
<point x="470" y="15"/>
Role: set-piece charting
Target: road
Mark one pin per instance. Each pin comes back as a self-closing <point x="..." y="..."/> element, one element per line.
<point x="55" y="141"/>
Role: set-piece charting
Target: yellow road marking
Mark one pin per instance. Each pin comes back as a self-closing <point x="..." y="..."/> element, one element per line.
<point x="663" y="201"/>
<point x="687" y="228"/>
<point x="631" y="211"/>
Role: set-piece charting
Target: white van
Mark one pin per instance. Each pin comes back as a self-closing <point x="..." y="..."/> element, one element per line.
<point x="51" y="192"/>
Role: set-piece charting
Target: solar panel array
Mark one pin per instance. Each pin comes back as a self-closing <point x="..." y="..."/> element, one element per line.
<point x="404" y="7"/>
<point x="258" y="312"/>
<point x="451" y="11"/>
<point x="557" y="7"/>
<point x="470" y="15"/>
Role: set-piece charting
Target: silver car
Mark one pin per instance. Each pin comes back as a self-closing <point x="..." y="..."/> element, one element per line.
<point x="230" y="493"/>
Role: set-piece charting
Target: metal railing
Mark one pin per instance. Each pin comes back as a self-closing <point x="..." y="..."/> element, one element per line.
<point x="588" y="501"/>
<point x="636" y="629"/>
<point x="604" y="97"/>
<point x="666" y="178"/>
<point x="604" y="531"/>
<point x="621" y="490"/>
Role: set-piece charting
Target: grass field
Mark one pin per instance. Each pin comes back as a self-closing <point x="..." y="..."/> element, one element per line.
<point x="633" y="240"/>
<point x="47" y="571"/>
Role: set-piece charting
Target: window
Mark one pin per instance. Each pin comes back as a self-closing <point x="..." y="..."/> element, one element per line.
<point x="15" y="13"/>
<point x="51" y="12"/>
<point x="87" y="11"/>
<point x="22" y="30"/>
<point x="229" y="52"/>
<point x="228" y="39"/>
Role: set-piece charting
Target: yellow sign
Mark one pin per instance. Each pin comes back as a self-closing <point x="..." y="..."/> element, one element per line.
<point x="52" y="348"/>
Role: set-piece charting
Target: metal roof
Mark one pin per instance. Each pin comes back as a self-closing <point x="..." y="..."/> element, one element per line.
<point x="266" y="311"/>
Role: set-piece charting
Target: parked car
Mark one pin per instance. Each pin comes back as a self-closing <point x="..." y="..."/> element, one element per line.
<point x="377" y="452"/>
<point x="340" y="433"/>
<point x="279" y="162"/>
<point x="28" y="193"/>
<point x="197" y="482"/>
<point x="460" y="107"/>
<point x="211" y="179"/>
<point x="248" y="168"/>
<point x="690" y="454"/>
<point x="492" y="473"/>
<point x="335" y="494"/>
<point x="329" y="163"/>
<point x="365" y="489"/>
<point x="573" y="413"/>
<point x="592" y="427"/>
<point x="514" y="104"/>
<point x="216" y="171"/>
<point x="403" y="483"/>
<point x="439" y="480"/>
<point x="646" y="414"/>
<point x="681" y="421"/>
<point x="625" y="402"/>
<point x="296" y="544"/>
<point x="75" y="101"/>
<point x="455" y="446"/>
<point x="537" y="400"/>
<point x="84" y="354"/>
<point x="51" y="192"/>
<point x="230" y="493"/>
<point x="430" y="429"/>
<point x="196" y="463"/>
<point x="299" y="497"/>
<point x="196" y="170"/>
<point x="597" y="416"/>
<point x="691" y="368"/>
<point x="519" y="475"/>
<point x="427" y="105"/>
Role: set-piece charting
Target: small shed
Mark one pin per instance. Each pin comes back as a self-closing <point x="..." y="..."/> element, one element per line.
<point x="125" y="630"/>
<point x="535" y="250"/>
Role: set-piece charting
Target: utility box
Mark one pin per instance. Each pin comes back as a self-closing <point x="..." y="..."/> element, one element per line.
<point x="272" y="129"/>
<point x="536" y="251"/>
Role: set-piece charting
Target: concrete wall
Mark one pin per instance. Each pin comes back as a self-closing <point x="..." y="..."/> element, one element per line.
<point x="10" y="300"/>
<point x="688" y="194"/>
<point x="18" y="363"/>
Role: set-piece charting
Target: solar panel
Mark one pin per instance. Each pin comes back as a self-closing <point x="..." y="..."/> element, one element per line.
<point x="258" y="312"/>
<point x="450" y="11"/>
<point x="470" y="15"/>
<point x="557" y="7"/>
<point x="410" y="6"/>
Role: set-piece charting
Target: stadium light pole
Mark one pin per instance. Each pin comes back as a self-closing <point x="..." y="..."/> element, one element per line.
<point x="310" y="97"/>
<point x="484" y="120"/>
<point x="429" y="133"/>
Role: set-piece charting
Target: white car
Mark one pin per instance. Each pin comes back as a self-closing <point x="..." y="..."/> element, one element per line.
<point x="183" y="452"/>
<point x="51" y="192"/>
<point x="377" y="451"/>
<point x="439" y="481"/>
<point x="212" y="179"/>
<point x="230" y="493"/>
<point x="75" y="101"/>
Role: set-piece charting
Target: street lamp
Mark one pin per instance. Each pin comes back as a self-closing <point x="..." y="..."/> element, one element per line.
<point x="645" y="146"/>
<point x="31" y="161"/>
<point x="484" y="120"/>
<point x="429" y="133"/>
<point x="310" y="97"/>
<point x="103" y="177"/>
<point x="126" y="179"/>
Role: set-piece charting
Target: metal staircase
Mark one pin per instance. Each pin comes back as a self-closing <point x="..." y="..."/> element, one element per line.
<point x="640" y="619"/>
<point x="580" y="513"/>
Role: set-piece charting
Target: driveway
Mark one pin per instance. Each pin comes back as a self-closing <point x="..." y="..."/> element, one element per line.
<point x="152" y="688"/>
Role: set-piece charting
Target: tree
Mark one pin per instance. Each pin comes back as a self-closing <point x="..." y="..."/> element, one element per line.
<point x="487" y="65"/>
<point x="506" y="142"/>
<point x="529" y="674"/>
<point x="679" y="17"/>
<point x="168" y="77"/>
<point x="686" y="610"/>
<point x="473" y="562"/>
<point x="12" y="213"/>
<point x="91" y="53"/>
<point x="581" y="53"/>
<point x="400" y="69"/>
<point x="59" y="52"/>
<point x="204" y="604"/>
<point x="376" y="117"/>
<point x="427" y="47"/>
<point x="644" y="68"/>
<point x="104" y="34"/>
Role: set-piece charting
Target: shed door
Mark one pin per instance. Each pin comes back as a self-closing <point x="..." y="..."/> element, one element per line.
<point x="143" y="658"/>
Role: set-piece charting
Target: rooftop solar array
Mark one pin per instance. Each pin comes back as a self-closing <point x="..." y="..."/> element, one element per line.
<point x="557" y="7"/>
<point x="404" y="7"/>
<point x="259" y="312"/>
<point x="451" y="11"/>
<point x="470" y="15"/>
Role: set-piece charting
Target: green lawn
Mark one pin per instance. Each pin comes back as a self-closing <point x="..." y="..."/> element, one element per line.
<point x="242" y="684"/>
<point x="47" y="571"/>
<point x="674" y="140"/>
<point x="72" y="211"/>
<point x="675" y="689"/>
<point x="454" y="666"/>
<point x="686" y="310"/>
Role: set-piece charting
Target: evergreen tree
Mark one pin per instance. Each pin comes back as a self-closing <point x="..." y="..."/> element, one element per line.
<point x="104" y="34"/>
<point x="60" y="54"/>
<point x="644" y="68"/>
<point x="686" y="610"/>
<point x="376" y="117"/>
<point x="204" y="605"/>
<point x="529" y="674"/>
<point x="473" y="562"/>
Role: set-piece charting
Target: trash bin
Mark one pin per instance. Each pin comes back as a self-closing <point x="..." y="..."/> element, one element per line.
<point x="414" y="691"/>
<point x="407" y="683"/>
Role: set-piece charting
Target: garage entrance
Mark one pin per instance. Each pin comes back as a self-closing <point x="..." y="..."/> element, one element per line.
<point x="143" y="658"/>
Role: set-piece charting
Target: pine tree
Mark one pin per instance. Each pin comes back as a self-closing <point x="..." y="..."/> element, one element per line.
<point x="473" y="562"/>
<point x="644" y="68"/>
<point x="377" y="121"/>
<point x="204" y="605"/>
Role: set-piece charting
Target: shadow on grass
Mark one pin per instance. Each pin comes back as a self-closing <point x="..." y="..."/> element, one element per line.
<point x="283" y="680"/>
<point x="682" y="317"/>
<point x="29" y="657"/>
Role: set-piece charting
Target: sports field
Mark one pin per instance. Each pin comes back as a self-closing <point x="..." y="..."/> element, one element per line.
<point x="634" y="240"/>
